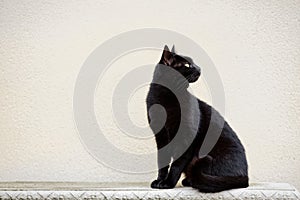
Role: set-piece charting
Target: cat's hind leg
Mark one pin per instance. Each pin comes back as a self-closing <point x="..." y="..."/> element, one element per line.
<point x="186" y="182"/>
<point x="194" y="167"/>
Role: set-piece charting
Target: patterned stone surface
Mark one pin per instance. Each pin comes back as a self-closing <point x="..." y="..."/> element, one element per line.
<point x="139" y="191"/>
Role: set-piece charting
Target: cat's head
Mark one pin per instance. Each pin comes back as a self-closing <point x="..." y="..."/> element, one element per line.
<point x="183" y="64"/>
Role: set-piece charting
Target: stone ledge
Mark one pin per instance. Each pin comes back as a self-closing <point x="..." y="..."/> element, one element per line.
<point x="141" y="191"/>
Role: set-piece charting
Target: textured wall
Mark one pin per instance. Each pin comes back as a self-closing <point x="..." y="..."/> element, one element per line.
<point x="255" y="46"/>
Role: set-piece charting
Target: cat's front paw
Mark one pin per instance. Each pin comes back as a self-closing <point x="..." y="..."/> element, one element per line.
<point x="162" y="184"/>
<point x="166" y="184"/>
<point x="155" y="183"/>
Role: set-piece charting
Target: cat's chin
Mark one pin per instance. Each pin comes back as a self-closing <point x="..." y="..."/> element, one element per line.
<point x="193" y="79"/>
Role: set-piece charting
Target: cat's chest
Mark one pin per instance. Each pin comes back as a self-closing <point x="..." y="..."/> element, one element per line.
<point x="184" y="117"/>
<point x="185" y="109"/>
<point x="182" y="107"/>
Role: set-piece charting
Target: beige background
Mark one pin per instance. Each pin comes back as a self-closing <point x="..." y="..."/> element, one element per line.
<point x="255" y="46"/>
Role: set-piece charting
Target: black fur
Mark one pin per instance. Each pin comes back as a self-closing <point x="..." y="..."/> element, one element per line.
<point x="225" y="166"/>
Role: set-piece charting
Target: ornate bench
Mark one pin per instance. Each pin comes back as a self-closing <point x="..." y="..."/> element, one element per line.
<point x="140" y="191"/>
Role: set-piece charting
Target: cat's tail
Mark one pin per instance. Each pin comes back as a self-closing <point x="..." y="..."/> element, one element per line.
<point x="210" y="184"/>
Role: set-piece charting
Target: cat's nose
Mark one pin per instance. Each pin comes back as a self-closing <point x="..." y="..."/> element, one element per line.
<point x="198" y="68"/>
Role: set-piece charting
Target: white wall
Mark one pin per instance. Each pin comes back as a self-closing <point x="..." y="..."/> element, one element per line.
<point x="255" y="46"/>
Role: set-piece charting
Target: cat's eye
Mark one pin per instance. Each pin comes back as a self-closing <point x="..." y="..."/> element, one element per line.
<point x="187" y="65"/>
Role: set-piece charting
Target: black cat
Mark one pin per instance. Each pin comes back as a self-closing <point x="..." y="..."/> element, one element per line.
<point x="225" y="167"/>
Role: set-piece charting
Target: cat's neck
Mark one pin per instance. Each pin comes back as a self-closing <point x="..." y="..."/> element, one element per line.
<point x="169" y="78"/>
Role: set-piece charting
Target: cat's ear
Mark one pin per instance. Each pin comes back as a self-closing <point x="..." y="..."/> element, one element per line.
<point x="173" y="49"/>
<point x="167" y="57"/>
<point x="166" y="48"/>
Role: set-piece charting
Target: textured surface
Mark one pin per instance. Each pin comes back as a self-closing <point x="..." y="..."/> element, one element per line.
<point x="254" y="44"/>
<point x="266" y="191"/>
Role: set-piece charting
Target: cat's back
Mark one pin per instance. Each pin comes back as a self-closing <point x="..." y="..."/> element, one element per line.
<point x="212" y="119"/>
